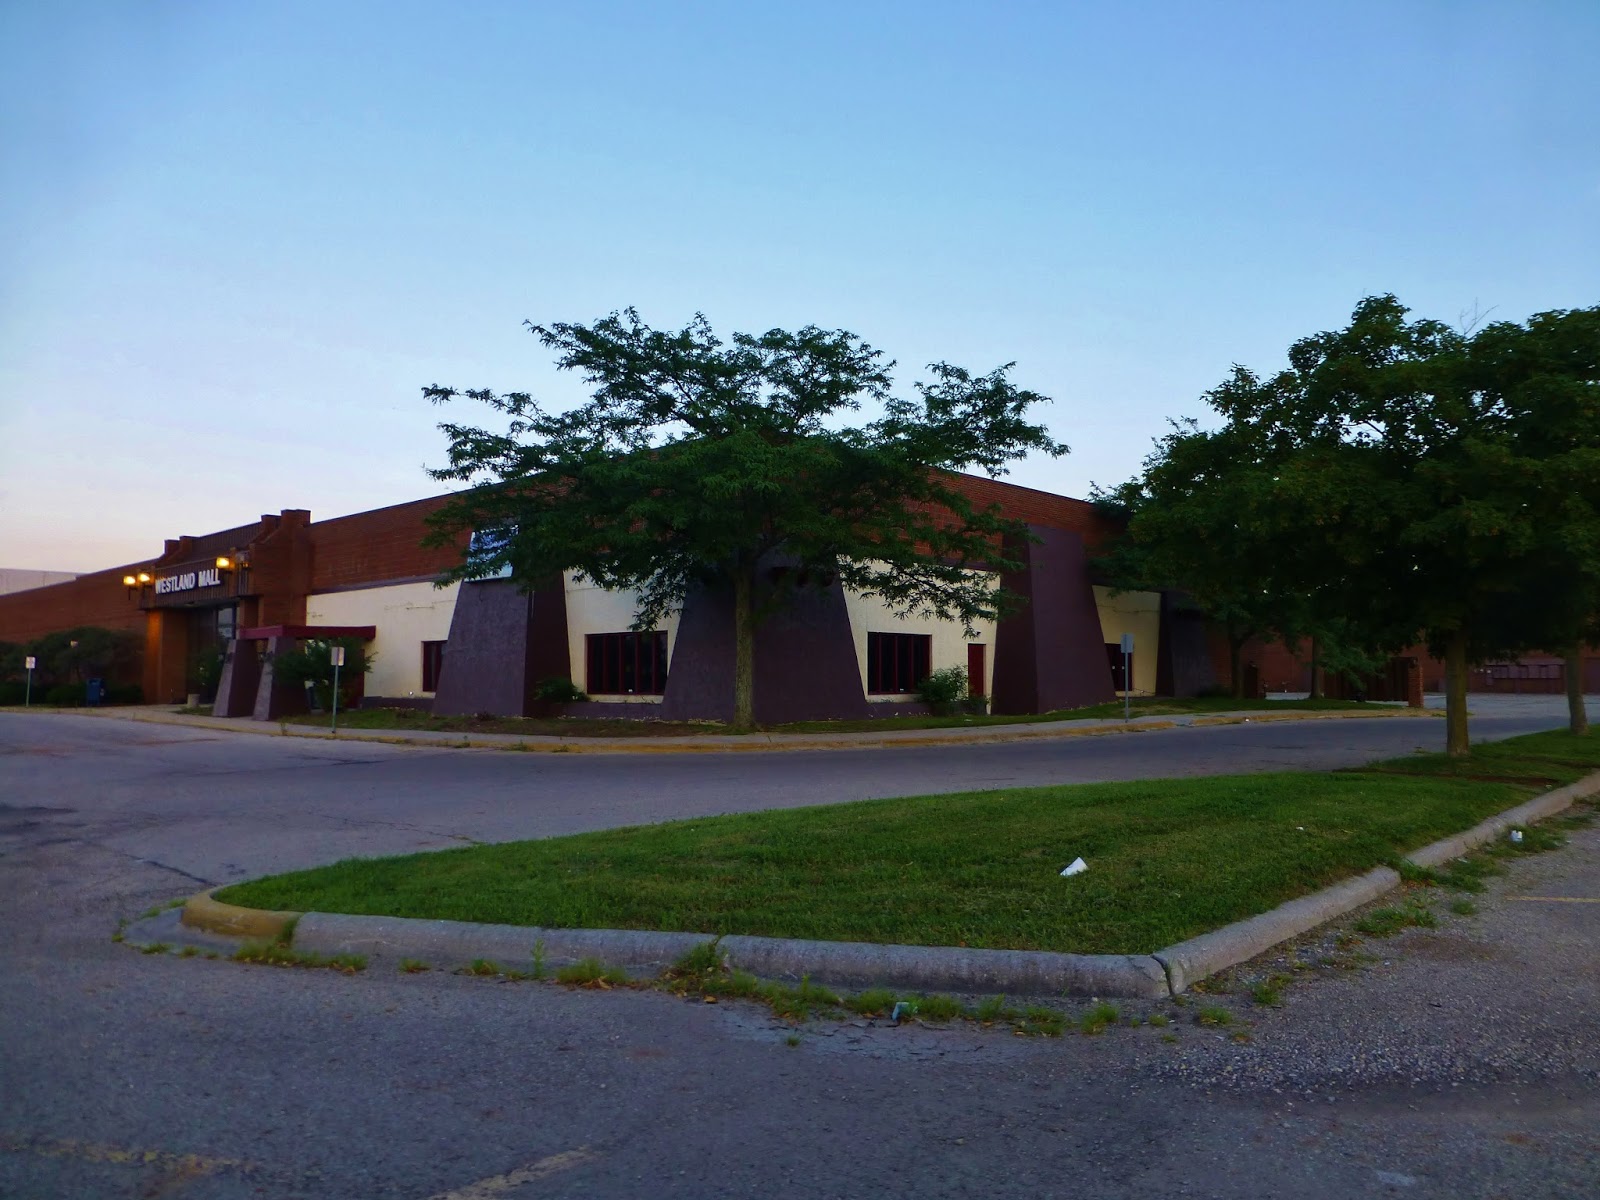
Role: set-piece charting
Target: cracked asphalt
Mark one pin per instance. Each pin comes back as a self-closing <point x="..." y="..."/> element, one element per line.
<point x="1460" y="1061"/>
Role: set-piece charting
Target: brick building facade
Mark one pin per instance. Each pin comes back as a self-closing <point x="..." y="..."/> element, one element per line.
<point x="485" y="646"/>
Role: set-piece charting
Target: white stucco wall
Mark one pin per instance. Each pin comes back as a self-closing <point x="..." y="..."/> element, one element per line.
<point x="405" y="615"/>
<point x="1138" y="613"/>
<point x="592" y="609"/>
<point x="947" y="646"/>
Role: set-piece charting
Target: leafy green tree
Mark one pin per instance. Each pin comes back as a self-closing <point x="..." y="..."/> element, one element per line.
<point x="698" y="463"/>
<point x="1423" y="498"/>
<point x="1545" y="376"/>
<point x="1201" y="518"/>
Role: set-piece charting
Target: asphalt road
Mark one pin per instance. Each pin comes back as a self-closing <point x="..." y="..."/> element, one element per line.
<point x="1466" y="1063"/>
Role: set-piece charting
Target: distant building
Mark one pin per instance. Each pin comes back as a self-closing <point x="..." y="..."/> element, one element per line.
<point x="20" y="579"/>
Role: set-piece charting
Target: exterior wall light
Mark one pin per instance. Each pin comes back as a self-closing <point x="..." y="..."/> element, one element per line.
<point x="224" y="563"/>
<point x="136" y="584"/>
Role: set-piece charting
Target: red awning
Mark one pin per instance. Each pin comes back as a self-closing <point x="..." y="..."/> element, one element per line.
<point x="261" y="632"/>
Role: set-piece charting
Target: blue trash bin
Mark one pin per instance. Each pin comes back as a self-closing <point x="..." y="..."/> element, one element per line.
<point x="94" y="692"/>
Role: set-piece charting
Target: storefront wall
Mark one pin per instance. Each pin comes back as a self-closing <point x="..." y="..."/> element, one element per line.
<point x="948" y="642"/>
<point x="405" y="615"/>
<point x="594" y="610"/>
<point x="1138" y="613"/>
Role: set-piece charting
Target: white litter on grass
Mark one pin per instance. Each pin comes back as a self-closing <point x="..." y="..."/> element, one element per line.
<point x="1076" y="867"/>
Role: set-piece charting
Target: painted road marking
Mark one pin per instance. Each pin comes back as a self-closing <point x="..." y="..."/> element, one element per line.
<point x="1561" y="899"/>
<point x="95" y="1152"/>
<point x="495" y="1185"/>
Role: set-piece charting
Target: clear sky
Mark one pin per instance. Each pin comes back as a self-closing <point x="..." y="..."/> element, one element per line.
<point x="236" y="240"/>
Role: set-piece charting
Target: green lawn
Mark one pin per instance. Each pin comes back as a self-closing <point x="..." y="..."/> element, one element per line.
<point x="1167" y="859"/>
<point x="406" y="719"/>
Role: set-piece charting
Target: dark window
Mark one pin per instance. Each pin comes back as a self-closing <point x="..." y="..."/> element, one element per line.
<point x="432" y="663"/>
<point x="622" y="664"/>
<point x="1119" y="681"/>
<point x="897" y="662"/>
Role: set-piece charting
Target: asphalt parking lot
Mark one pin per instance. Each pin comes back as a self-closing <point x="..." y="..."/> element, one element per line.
<point x="1458" y="1061"/>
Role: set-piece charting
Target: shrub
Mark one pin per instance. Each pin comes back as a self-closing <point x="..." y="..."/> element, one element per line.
<point x="944" y="689"/>
<point x="557" y="690"/>
<point x="64" y="695"/>
<point x="312" y="662"/>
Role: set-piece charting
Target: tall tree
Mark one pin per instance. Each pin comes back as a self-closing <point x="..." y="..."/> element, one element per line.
<point x="698" y="462"/>
<point x="1546" y="378"/>
<point x="1195" y="522"/>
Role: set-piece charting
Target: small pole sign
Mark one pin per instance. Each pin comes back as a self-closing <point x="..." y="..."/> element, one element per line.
<point x="1127" y="676"/>
<point x="27" y="691"/>
<point x="336" y="653"/>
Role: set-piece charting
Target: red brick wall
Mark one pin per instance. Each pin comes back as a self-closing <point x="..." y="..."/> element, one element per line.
<point x="1038" y="508"/>
<point x="97" y="599"/>
<point x="374" y="546"/>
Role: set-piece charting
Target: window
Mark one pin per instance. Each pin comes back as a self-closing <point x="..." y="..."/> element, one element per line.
<point x="897" y="662"/>
<point x="625" y="664"/>
<point x="1119" y="681"/>
<point x="432" y="663"/>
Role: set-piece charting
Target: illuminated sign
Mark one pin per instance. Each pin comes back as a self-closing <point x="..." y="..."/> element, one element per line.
<point x="188" y="581"/>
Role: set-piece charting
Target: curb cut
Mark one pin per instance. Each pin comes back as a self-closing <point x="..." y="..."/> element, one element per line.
<point x="206" y="912"/>
<point x="1164" y="973"/>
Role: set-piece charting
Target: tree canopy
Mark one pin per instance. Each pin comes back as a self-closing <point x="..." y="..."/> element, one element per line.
<point x="1401" y="480"/>
<point x="696" y="461"/>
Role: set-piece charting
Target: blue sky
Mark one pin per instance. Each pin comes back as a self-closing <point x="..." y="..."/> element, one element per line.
<point x="237" y="240"/>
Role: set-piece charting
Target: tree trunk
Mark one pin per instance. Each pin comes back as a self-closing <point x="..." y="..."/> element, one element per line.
<point x="1235" y="665"/>
<point x="744" y="647"/>
<point x="1316" y="675"/>
<point x="1577" y="715"/>
<point x="1455" y="695"/>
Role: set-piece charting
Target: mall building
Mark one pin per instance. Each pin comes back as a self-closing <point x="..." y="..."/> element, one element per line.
<point x="250" y="591"/>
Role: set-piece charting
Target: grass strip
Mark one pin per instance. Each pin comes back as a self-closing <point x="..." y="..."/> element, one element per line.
<point x="1168" y="859"/>
<point x="412" y="719"/>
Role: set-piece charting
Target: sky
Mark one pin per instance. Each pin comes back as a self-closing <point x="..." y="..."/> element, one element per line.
<point x="237" y="241"/>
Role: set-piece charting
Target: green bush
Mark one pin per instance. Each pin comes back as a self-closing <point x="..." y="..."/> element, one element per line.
<point x="64" y="695"/>
<point x="557" y="690"/>
<point x="943" y="690"/>
<point x="312" y="662"/>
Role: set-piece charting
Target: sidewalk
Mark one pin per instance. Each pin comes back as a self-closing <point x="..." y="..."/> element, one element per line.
<point x="719" y="743"/>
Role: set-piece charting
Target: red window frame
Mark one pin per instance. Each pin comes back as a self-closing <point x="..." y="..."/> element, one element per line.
<point x="432" y="664"/>
<point x="626" y="664"/>
<point x="897" y="663"/>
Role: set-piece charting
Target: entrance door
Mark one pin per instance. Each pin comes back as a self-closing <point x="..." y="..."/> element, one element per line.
<point x="975" y="670"/>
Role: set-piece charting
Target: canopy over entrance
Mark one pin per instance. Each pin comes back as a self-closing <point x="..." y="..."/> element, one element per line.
<point x="261" y="633"/>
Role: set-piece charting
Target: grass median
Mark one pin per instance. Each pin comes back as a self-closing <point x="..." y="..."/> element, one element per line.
<point x="1167" y="858"/>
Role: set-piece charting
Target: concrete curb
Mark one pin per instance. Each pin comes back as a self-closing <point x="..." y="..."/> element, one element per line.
<point x="1165" y="973"/>
<point x="741" y="743"/>
<point x="207" y="913"/>
<point x="647" y="953"/>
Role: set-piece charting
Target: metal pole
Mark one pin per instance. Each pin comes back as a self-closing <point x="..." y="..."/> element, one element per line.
<point x="1127" y="690"/>
<point x="335" y="705"/>
<point x="27" y="691"/>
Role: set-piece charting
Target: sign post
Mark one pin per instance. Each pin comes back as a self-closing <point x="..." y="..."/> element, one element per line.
<point x="27" y="692"/>
<point x="1127" y="676"/>
<point x="336" y="653"/>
